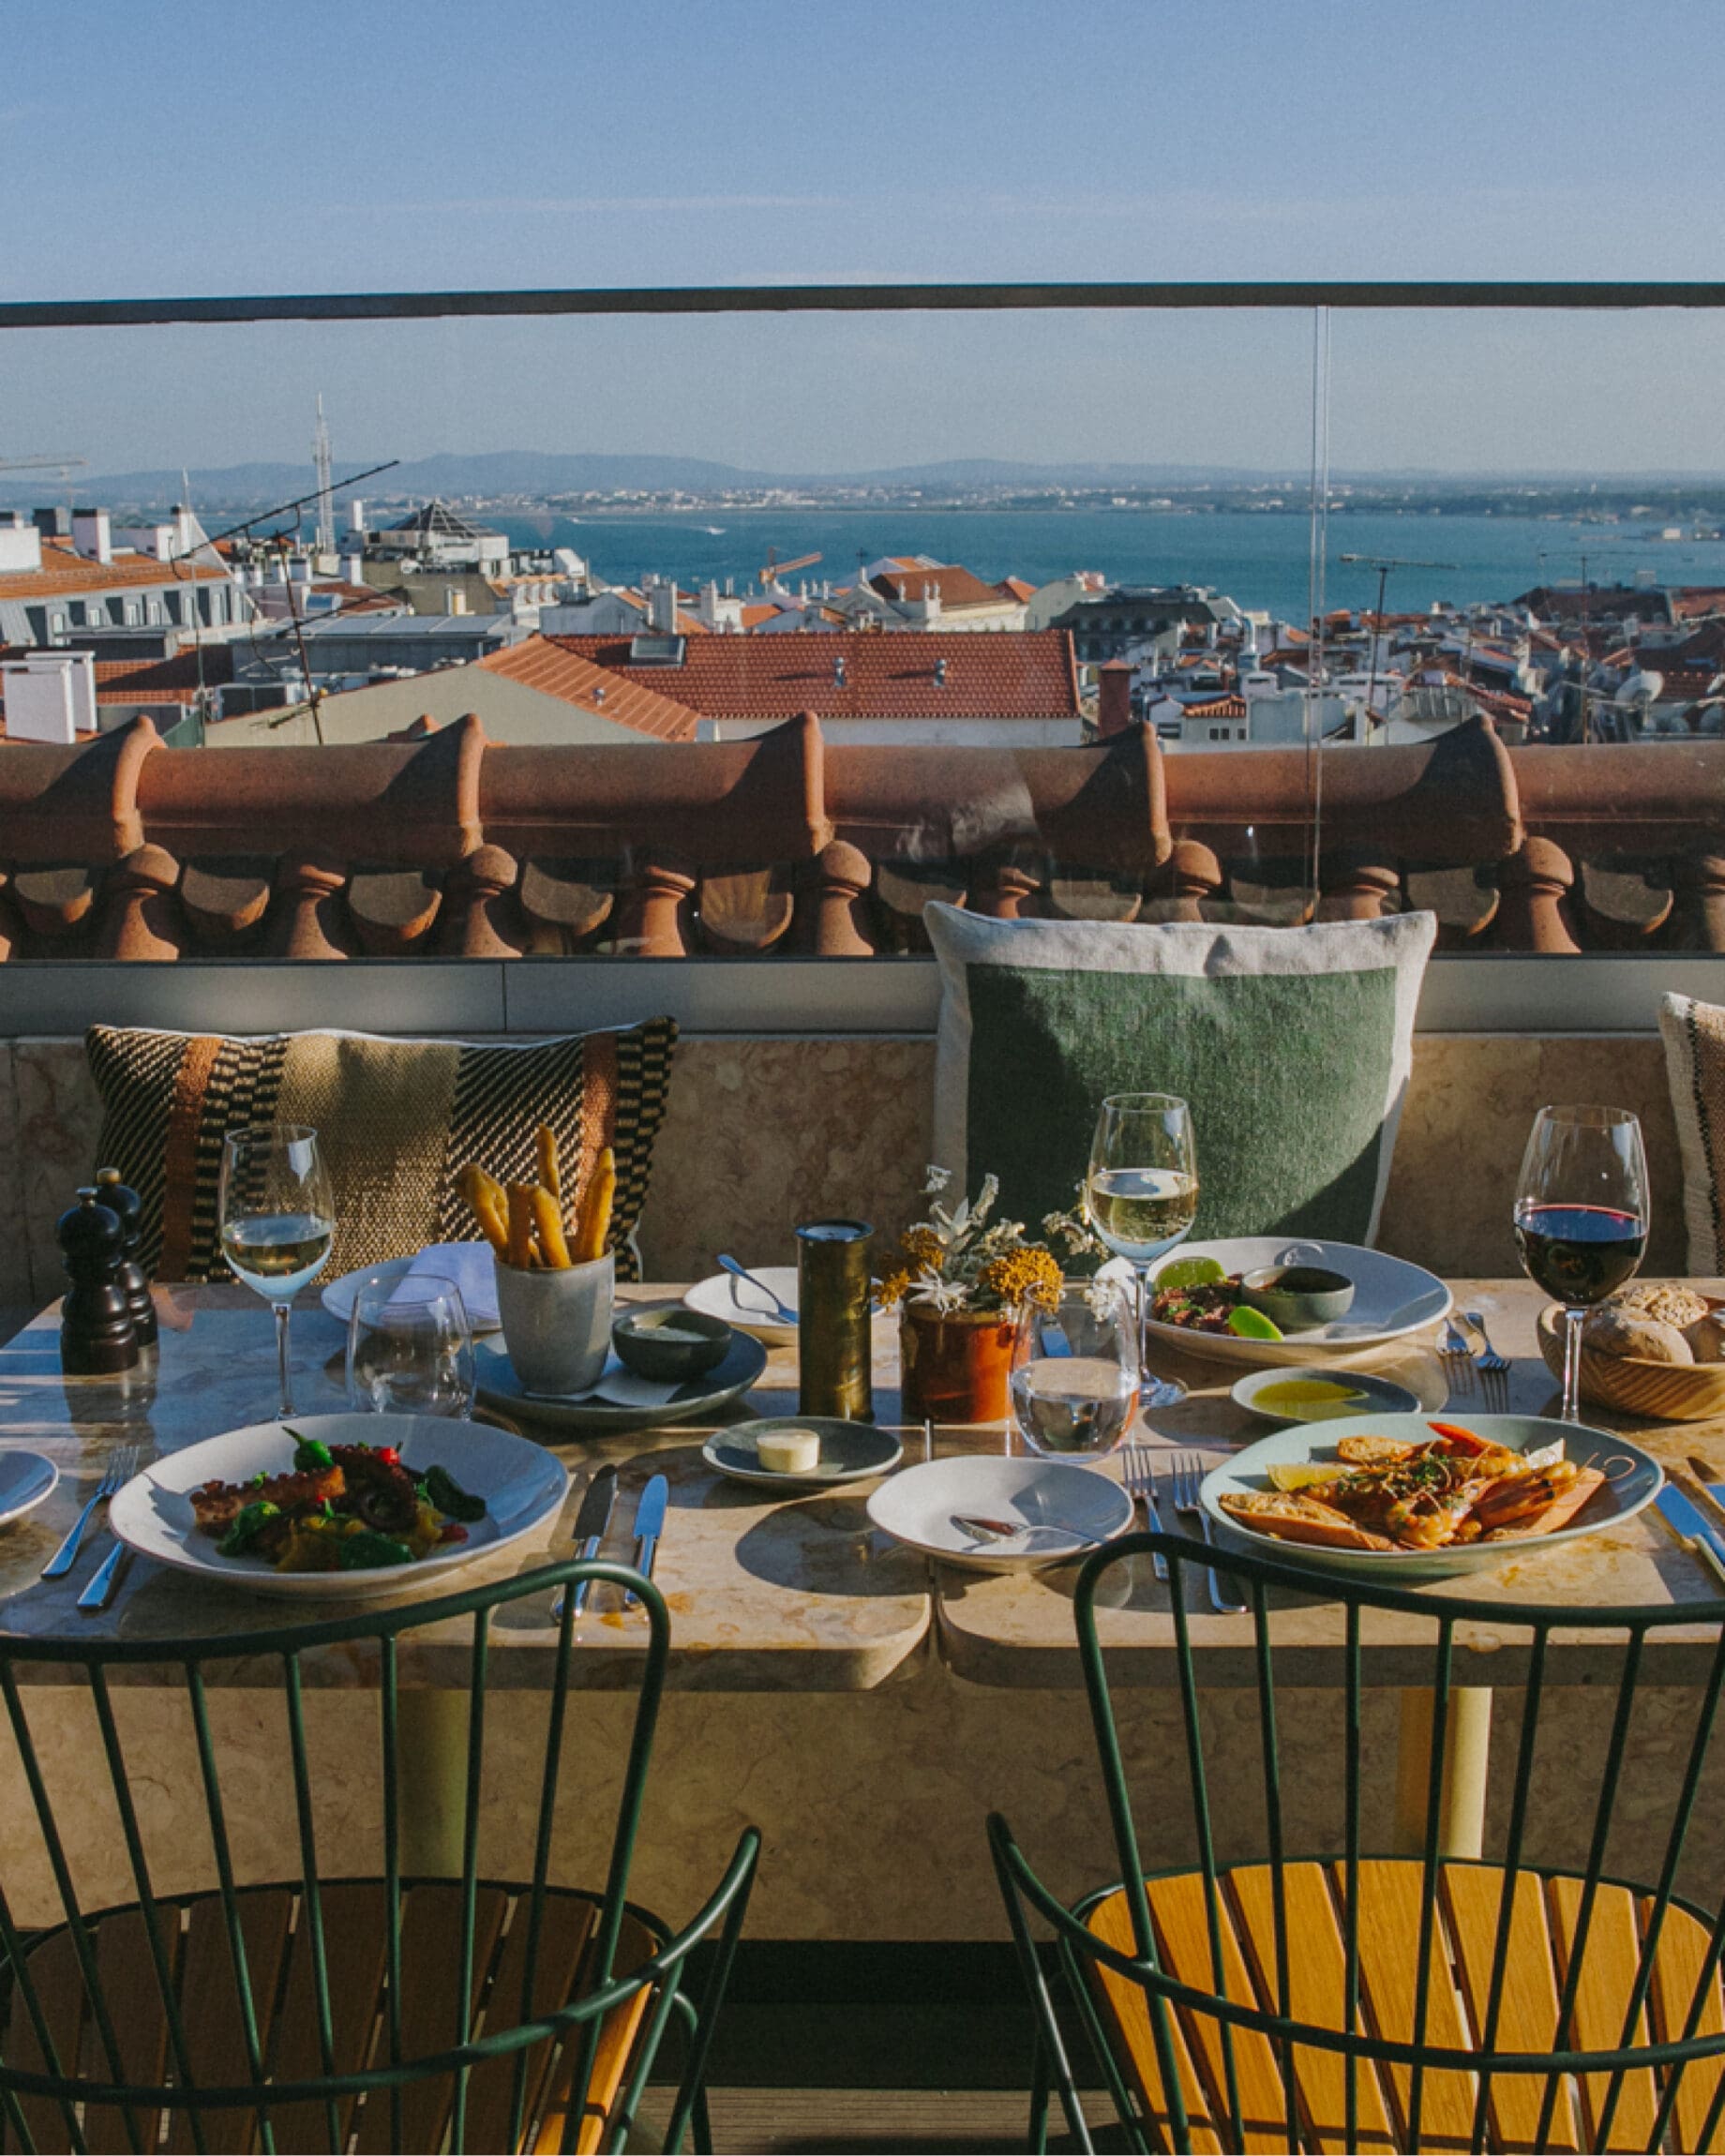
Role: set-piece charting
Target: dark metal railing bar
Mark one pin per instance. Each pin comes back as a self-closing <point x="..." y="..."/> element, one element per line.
<point x="1595" y="1864"/>
<point x="389" y="1700"/>
<point x="115" y="1758"/>
<point x="1271" y="1766"/>
<point x="1041" y="2001"/>
<point x="630" y="2102"/>
<point x="1111" y="295"/>
<point x="1142" y="2129"/>
<point x="1158" y="2009"/>
<point x="1655" y="1923"/>
<point x="542" y="1847"/>
<point x="469" y="1861"/>
<point x="213" y="1805"/>
<point x="706" y="2014"/>
<point x="1431" y="1858"/>
<point x="1351" y="1745"/>
<point x="1532" y="1695"/>
<point x="12" y="1948"/>
<point x="311" y="1905"/>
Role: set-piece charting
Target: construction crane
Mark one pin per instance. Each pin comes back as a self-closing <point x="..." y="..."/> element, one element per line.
<point x="326" y="500"/>
<point x="777" y="569"/>
<point x="62" y="467"/>
<point x="1383" y="563"/>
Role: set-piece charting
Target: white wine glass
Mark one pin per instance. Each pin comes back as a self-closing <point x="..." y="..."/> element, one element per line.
<point x="1074" y="1383"/>
<point x="410" y="1347"/>
<point x="277" y="1220"/>
<point x="1581" y="1217"/>
<point x="1141" y="1194"/>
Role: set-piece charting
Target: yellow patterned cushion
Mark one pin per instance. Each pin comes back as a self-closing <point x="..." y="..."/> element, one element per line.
<point x="395" y="1118"/>
<point x="1695" y="1068"/>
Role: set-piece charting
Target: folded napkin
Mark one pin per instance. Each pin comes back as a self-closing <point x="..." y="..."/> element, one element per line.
<point x="618" y="1387"/>
<point x="468" y="1265"/>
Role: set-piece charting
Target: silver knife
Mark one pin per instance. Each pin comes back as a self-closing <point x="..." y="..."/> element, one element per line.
<point x="1708" y="1477"/>
<point x="590" y="1525"/>
<point x="649" y="1524"/>
<point x="1692" y="1528"/>
<point x="105" y="1581"/>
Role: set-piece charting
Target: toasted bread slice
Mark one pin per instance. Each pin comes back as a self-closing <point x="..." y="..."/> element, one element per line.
<point x="1374" y="1452"/>
<point x="1559" y="1513"/>
<point x="1293" y="1516"/>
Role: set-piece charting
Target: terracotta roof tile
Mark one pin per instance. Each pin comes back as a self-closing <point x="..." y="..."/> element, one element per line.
<point x="547" y="665"/>
<point x="954" y="585"/>
<point x="63" y="575"/>
<point x="1016" y="673"/>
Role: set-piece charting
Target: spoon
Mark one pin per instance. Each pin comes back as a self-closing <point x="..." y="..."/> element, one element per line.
<point x="728" y="1264"/>
<point x="981" y="1530"/>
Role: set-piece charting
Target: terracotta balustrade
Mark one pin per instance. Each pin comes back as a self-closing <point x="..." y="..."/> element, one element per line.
<point x="450" y="843"/>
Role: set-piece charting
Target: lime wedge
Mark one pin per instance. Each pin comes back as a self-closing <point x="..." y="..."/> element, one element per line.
<point x="1252" y="1324"/>
<point x="1299" y="1473"/>
<point x="1191" y="1273"/>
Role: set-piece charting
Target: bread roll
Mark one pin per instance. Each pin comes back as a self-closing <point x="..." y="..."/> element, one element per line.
<point x="1617" y="1331"/>
<point x="1706" y="1338"/>
<point x="1668" y="1301"/>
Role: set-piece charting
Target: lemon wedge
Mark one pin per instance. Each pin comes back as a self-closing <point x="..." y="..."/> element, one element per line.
<point x="1191" y="1273"/>
<point x="1252" y="1324"/>
<point x="1298" y="1474"/>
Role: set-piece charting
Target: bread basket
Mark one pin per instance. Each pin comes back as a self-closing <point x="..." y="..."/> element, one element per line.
<point x="1668" y="1391"/>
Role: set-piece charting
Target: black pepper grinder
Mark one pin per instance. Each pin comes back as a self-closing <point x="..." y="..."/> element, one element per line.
<point x="98" y="1336"/>
<point x="120" y="1199"/>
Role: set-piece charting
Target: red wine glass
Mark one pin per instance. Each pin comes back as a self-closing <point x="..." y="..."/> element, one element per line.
<point x="1581" y="1217"/>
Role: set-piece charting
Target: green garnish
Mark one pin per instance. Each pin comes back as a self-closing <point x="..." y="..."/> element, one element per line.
<point x="249" y="1523"/>
<point x="310" y="1454"/>
<point x="447" y="1494"/>
<point x="366" y="1551"/>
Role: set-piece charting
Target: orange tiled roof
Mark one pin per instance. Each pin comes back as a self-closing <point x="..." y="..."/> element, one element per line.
<point x="1218" y="708"/>
<point x="1015" y="587"/>
<point x="1016" y="673"/>
<point x="955" y="586"/>
<point x="63" y="575"/>
<point x="545" y="664"/>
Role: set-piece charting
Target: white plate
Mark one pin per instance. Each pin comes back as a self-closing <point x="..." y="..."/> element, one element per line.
<point x="849" y="1452"/>
<point x="26" y="1479"/>
<point x="522" y="1484"/>
<point x="1068" y="1509"/>
<point x="1634" y="1479"/>
<point x="726" y="1296"/>
<point x="339" y="1296"/>
<point x="1373" y="1394"/>
<point x="1392" y="1299"/>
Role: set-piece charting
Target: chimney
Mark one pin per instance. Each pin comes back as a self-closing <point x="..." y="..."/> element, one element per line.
<point x="662" y="608"/>
<point x="92" y="535"/>
<point x="184" y="528"/>
<point x="50" y="696"/>
<point x="356" y="516"/>
<point x="52" y="523"/>
<point x="1113" y="697"/>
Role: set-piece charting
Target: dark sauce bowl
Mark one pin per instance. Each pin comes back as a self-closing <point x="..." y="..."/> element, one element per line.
<point x="670" y="1345"/>
<point x="1297" y="1297"/>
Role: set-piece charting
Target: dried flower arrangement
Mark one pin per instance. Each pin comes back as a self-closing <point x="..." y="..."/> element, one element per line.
<point x="958" y="1260"/>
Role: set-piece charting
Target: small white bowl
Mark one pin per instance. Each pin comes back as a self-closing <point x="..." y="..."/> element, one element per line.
<point x="1067" y="1510"/>
<point x="556" y="1324"/>
<point x="1371" y="1395"/>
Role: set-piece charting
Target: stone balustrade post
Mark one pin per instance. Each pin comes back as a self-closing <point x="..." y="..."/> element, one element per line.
<point x="305" y="920"/>
<point x="480" y="911"/>
<point x="652" y="921"/>
<point x="1697" y="917"/>
<point x="142" y="919"/>
<point x="1535" y="912"/>
<point x="1355" y="887"/>
<point x="833" y="904"/>
<point x="1178" y="889"/>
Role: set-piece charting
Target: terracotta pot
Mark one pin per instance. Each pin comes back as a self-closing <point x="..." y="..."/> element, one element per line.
<point x="953" y="1368"/>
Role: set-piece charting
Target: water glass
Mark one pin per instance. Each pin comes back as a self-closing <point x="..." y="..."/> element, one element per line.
<point x="1074" y="1381"/>
<point x="277" y="1220"/>
<point x="410" y="1347"/>
<point x="1581" y="1217"/>
<point x="1141" y="1194"/>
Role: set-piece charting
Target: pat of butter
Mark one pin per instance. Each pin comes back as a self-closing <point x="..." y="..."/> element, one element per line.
<point x="789" y="1451"/>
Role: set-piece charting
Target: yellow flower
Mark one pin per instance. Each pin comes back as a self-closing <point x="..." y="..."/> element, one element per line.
<point x="1030" y="1275"/>
<point x="922" y="1247"/>
<point x="893" y="1289"/>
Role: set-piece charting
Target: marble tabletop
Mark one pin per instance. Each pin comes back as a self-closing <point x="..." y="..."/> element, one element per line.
<point x="772" y="1595"/>
<point x="1016" y="1629"/>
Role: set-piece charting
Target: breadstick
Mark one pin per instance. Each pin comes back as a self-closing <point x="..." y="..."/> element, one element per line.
<point x="486" y="1204"/>
<point x="545" y="1139"/>
<point x="522" y="1226"/>
<point x="548" y="1223"/>
<point x="594" y="1224"/>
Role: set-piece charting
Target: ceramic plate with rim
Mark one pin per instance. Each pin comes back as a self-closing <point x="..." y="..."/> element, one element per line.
<point x="1634" y="1479"/>
<point x="1067" y="1509"/>
<point x="26" y="1479"/>
<point x="499" y="1387"/>
<point x="523" y="1487"/>
<point x="726" y="1296"/>
<point x="1373" y="1395"/>
<point x="850" y="1452"/>
<point x="1392" y="1299"/>
<point x="340" y="1294"/>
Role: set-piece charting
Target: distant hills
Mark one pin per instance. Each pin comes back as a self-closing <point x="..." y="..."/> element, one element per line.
<point x="541" y="473"/>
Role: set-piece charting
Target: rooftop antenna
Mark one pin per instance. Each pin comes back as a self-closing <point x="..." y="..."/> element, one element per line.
<point x="326" y="500"/>
<point x="1383" y="563"/>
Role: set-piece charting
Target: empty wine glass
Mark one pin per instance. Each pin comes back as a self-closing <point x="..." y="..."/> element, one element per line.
<point x="1142" y="1197"/>
<point x="277" y="1220"/>
<point x="1581" y="1217"/>
<point x="1074" y="1381"/>
<point x="410" y="1347"/>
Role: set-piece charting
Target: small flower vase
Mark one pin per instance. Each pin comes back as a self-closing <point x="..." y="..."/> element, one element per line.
<point x="954" y="1369"/>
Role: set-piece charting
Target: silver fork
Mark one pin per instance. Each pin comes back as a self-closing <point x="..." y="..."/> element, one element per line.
<point x="1491" y="1359"/>
<point x="121" y="1468"/>
<point x="1188" y="1473"/>
<point x="1138" y="1473"/>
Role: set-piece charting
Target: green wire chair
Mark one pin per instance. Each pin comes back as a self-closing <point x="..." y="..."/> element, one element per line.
<point x="318" y="2011"/>
<point x="1349" y="2001"/>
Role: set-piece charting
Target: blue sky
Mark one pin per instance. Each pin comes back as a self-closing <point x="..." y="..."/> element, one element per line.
<point x="196" y="147"/>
